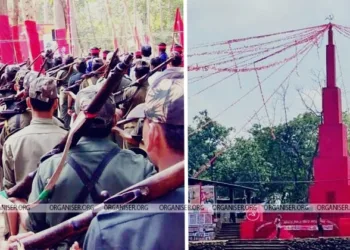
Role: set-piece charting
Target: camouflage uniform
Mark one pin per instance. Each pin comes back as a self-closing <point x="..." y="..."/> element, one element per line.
<point x="147" y="231"/>
<point x="122" y="169"/>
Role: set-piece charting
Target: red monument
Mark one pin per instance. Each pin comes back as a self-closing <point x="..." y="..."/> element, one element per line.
<point x="331" y="166"/>
<point x="331" y="171"/>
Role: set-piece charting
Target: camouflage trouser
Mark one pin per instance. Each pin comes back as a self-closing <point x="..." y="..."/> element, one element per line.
<point x="64" y="109"/>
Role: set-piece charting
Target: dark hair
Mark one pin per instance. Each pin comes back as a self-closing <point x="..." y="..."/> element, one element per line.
<point x="100" y="132"/>
<point x="156" y="61"/>
<point x="142" y="68"/>
<point x="81" y="66"/>
<point x="68" y="59"/>
<point x="146" y="50"/>
<point x="40" y="105"/>
<point x="177" y="61"/>
<point x="162" y="44"/>
<point x="58" y="61"/>
<point x="96" y="64"/>
<point x="174" y="136"/>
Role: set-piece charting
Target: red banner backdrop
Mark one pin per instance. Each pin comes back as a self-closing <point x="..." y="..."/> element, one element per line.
<point x="17" y="45"/>
<point x="33" y="43"/>
<point x="6" y="45"/>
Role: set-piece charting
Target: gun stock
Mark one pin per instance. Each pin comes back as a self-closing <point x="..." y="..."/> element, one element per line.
<point x="23" y="188"/>
<point x="151" y="189"/>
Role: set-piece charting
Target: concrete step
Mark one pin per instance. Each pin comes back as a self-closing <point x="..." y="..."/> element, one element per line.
<point x="256" y="248"/>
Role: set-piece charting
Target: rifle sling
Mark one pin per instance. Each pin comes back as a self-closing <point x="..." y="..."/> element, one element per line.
<point x="89" y="183"/>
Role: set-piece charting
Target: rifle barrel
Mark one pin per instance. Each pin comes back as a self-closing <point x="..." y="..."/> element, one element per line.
<point x="145" y="77"/>
<point x="151" y="188"/>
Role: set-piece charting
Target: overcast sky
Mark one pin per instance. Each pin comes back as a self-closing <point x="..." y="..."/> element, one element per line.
<point x="220" y="20"/>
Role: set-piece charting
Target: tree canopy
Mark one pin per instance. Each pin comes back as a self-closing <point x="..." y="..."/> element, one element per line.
<point x="279" y="166"/>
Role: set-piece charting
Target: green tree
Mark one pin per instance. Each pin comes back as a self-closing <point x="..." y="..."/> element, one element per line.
<point x="279" y="166"/>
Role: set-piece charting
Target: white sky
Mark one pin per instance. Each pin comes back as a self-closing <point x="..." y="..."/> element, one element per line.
<point x="211" y="21"/>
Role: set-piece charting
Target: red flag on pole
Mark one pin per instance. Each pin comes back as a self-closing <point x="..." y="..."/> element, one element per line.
<point x="179" y="26"/>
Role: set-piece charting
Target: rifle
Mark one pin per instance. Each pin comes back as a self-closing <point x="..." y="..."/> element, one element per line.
<point x="144" y="191"/>
<point x="3" y="68"/>
<point x="53" y="72"/>
<point x="139" y="82"/>
<point x="143" y="79"/>
<point x="81" y="123"/>
<point x="61" y="66"/>
<point x="35" y="59"/>
<point x="22" y="64"/>
<point x="19" y="108"/>
<point x="86" y="76"/>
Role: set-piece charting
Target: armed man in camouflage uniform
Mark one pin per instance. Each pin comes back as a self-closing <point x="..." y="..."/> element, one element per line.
<point x="163" y="135"/>
<point x="94" y="153"/>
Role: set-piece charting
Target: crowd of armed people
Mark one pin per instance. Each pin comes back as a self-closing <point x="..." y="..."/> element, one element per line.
<point x="137" y="134"/>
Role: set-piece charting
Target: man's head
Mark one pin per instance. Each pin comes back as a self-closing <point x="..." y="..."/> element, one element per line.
<point x="104" y="121"/>
<point x="104" y="54"/>
<point x="95" y="52"/>
<point x="10" y="72"/>
<point x="138" y="55"/>
<point x="96" y="63"/>
<point x="141" y="68"/>
<point x="68" y="59"/>
<point x="81" y="65"/>
<point x="49" y="54"/>
<point x="155" y="62"/>
<point x="57" y="61"/>
<point x="177" y="61"/>
<point x="162" y="47"/>
<point x="42" y="96"/>
<point x="178" y="48"/>
<point x="163" y="129"/>
<point x="146" y="50"/>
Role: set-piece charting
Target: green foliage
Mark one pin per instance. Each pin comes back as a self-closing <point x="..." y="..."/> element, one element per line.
<point x="279" y="166"/>
<point x="94" y="28"/>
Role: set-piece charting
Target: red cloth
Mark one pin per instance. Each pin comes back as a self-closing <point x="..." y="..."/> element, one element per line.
<point x="18" y="54"/>
<point x="33" y="43"/>
<point x="179" y="26"/>
<point x="63" y="46"/>
<point x="6" y="44"/>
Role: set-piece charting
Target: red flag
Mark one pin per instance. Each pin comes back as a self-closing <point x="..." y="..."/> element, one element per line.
<point x="179" y="26"/>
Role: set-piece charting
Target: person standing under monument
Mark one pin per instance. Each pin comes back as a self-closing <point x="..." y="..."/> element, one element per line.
<point x="278" y="223"/>
<point x="319" y="225"/>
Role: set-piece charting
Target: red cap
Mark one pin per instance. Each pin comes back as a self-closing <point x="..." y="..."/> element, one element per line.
<point x="138" y="53"/>
<point x="94" y="50"/>
<point x="178" y="49"/>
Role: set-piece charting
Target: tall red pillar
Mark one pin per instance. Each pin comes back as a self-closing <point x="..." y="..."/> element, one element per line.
<point x="331" y="166"/>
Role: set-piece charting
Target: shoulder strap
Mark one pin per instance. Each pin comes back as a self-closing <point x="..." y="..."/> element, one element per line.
<point x="89" y="183"/>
